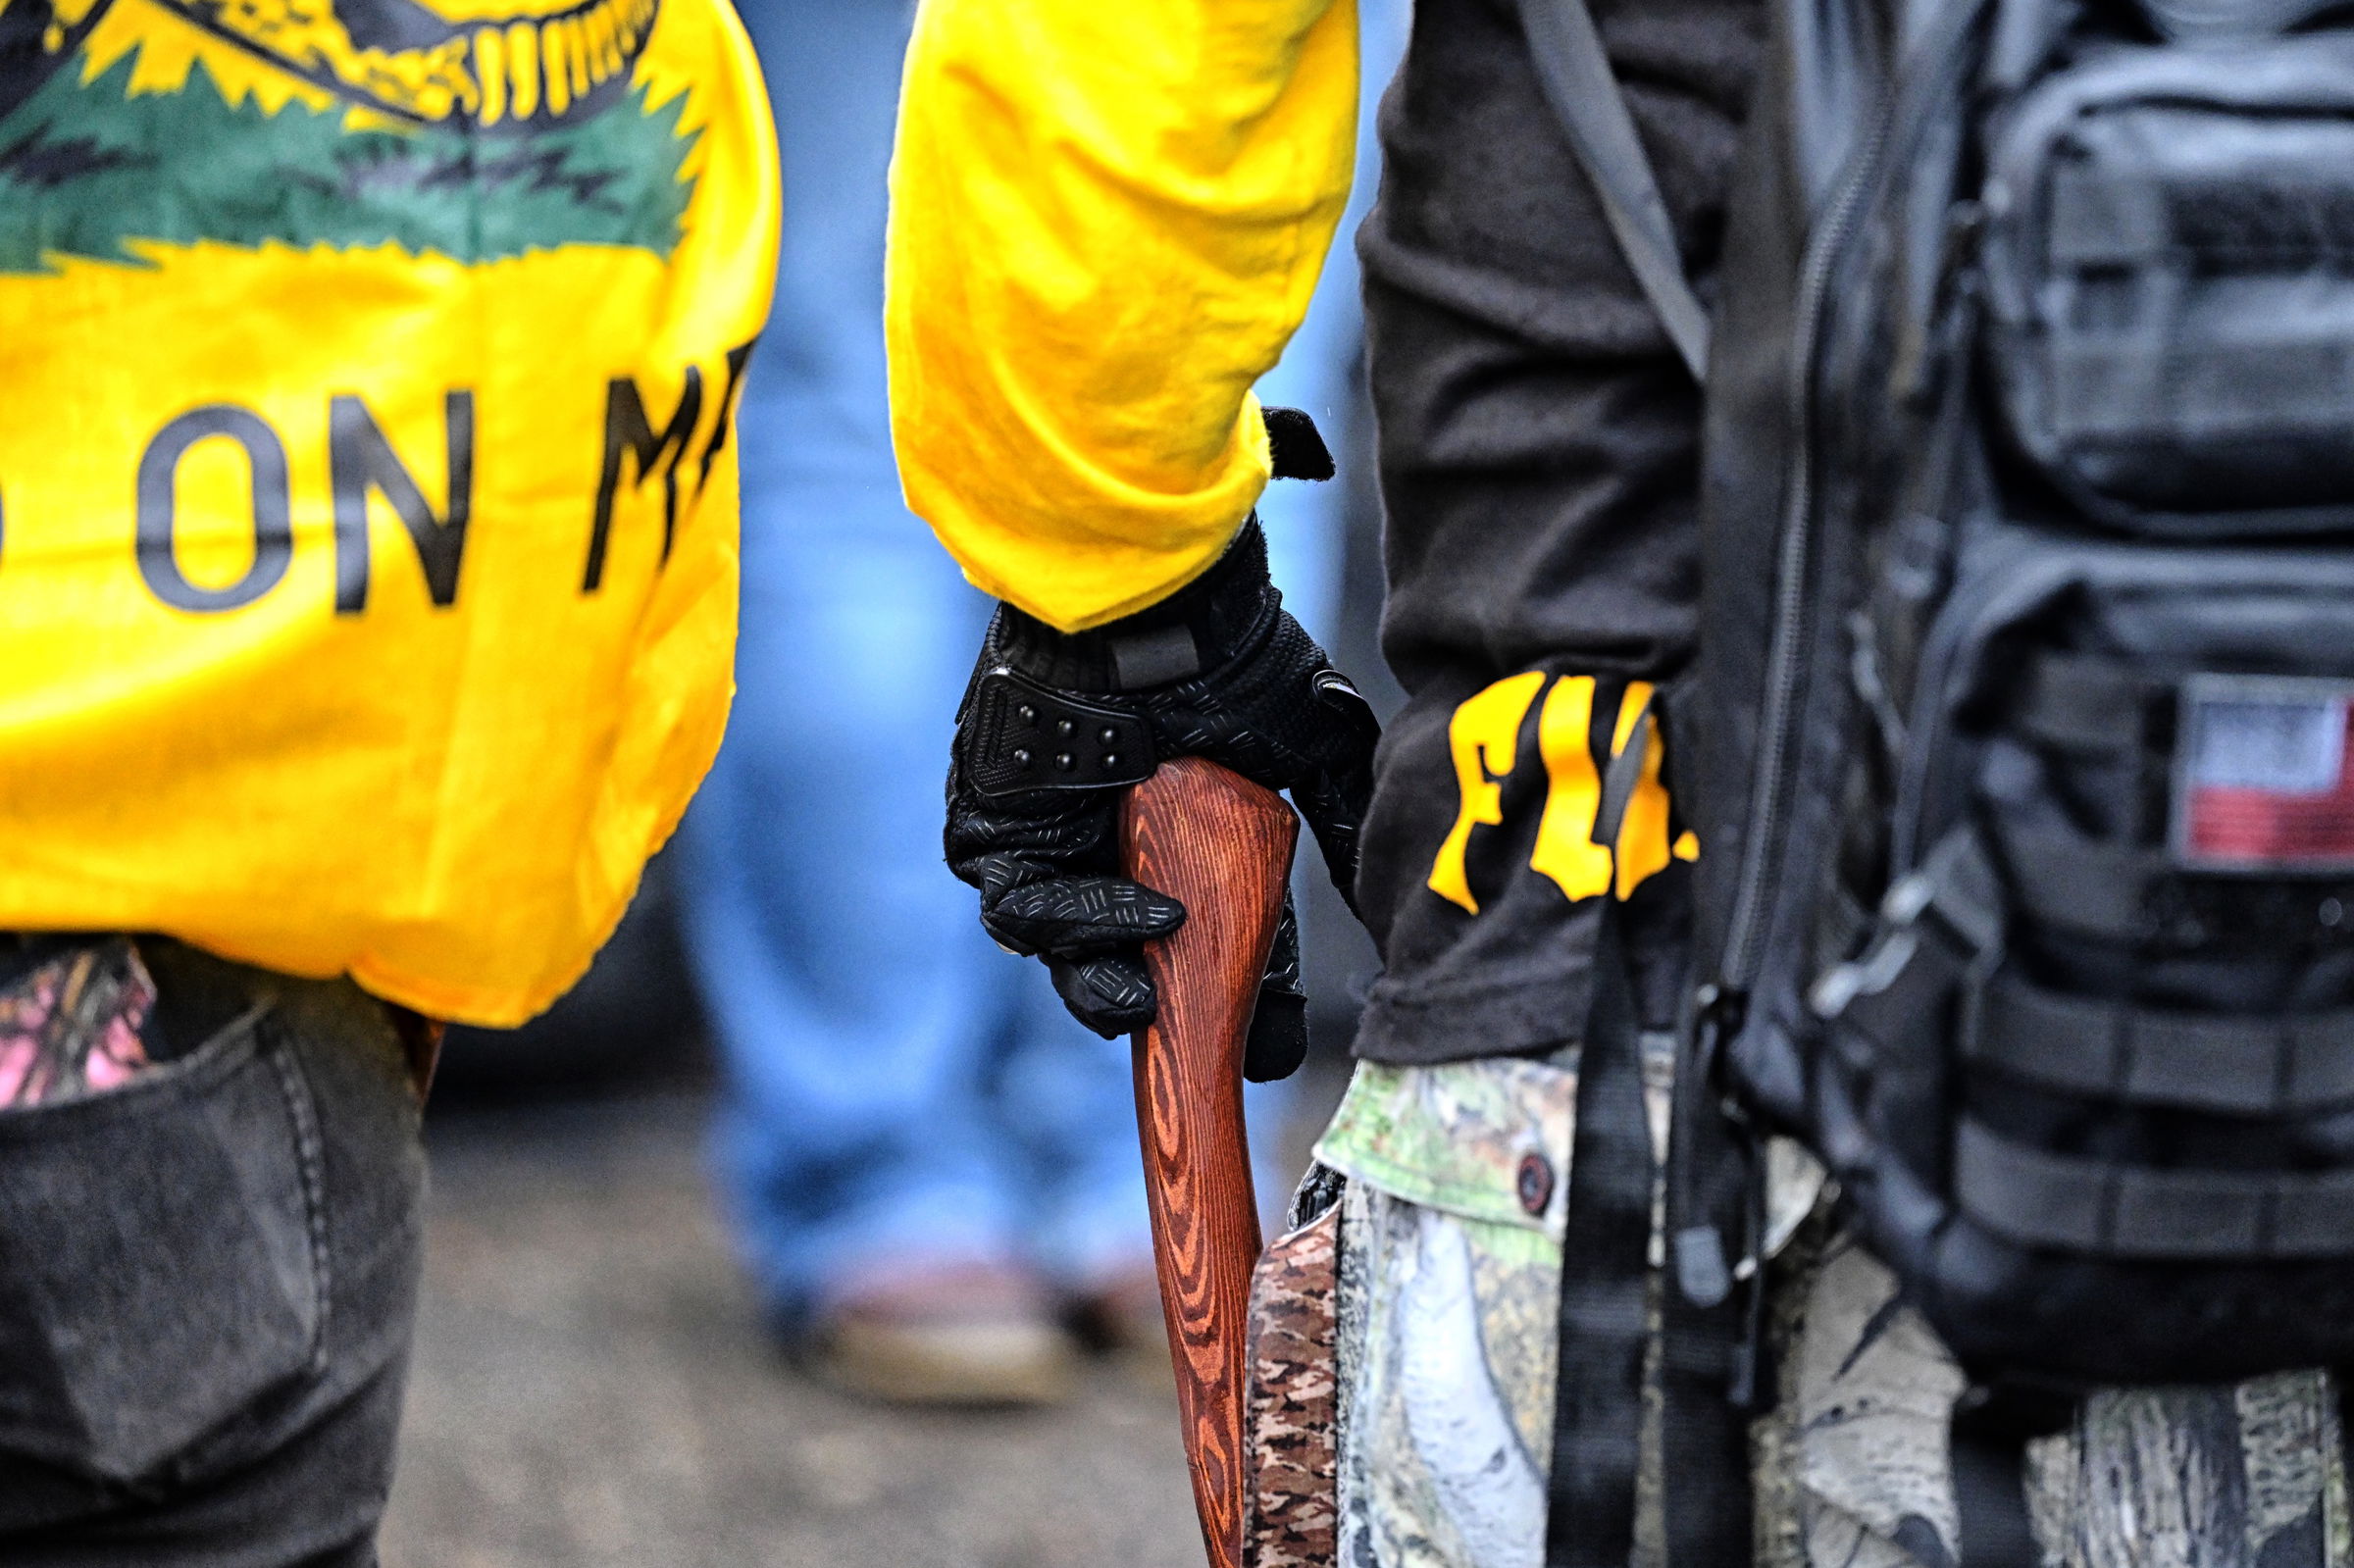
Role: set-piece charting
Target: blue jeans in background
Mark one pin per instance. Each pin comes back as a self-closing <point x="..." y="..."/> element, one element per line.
<point x="895" y="1086"/>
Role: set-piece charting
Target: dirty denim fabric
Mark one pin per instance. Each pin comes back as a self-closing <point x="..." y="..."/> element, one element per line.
<point x="207" y="1282"/>
<point x="1450" y="1274"/>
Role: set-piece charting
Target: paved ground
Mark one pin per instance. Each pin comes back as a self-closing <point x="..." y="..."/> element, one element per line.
<point x="591" y="1390"/>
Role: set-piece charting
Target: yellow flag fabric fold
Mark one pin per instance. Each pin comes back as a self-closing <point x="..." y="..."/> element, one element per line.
<point x="366" y="487"/>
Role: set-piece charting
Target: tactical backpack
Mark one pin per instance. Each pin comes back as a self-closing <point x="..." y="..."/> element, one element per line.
<point x="2019" y="747"/>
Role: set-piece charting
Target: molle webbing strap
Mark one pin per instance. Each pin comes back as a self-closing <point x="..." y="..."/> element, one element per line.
<point x="2231" y="1064"/>
<point x="2077" y="702"/>
<point x="1606" y="1245"/>
<point x="2081" y="884"/>
<point x="2129" y="893"/>
<point x="2109" y="1208"/>
<point x="1577" y="78"/>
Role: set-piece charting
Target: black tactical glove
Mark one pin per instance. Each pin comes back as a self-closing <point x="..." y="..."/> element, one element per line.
<point x="1055" y="726"/>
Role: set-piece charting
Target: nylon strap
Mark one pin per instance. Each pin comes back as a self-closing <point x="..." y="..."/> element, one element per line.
<point x="1621" y="778"/>
<point x="2233" y="1064"/>
<point x="1598" y="1390"/>
<point x="2077" y="702"/>
<point x="1989" y="1468"/>
<point x="2078" y="884"/>
<point x="1575" y="74"/>
<point x="1711" y="1334"/>
<point x="2110" y="1208"/>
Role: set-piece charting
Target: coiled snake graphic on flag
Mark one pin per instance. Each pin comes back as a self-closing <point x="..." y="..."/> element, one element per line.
<point x="114" y="118"/>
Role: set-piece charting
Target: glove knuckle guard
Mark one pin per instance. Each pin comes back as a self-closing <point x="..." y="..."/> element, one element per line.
<point x="1054" y="725"/>
<point x="1020" y="736"/>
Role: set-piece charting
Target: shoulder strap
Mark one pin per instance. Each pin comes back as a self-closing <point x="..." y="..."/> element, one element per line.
<point x="1602" y="1328"/>
<point x="1607" y="1319"/>
<point x="1577" y="78"/>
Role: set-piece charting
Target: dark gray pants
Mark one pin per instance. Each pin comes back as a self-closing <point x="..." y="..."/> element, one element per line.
<point x="207" y="1282"/>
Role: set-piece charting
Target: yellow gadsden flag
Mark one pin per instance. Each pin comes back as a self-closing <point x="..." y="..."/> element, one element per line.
<point x="367" y="498"/>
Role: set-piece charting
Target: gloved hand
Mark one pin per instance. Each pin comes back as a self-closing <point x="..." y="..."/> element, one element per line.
<point x="1055" y="726"/>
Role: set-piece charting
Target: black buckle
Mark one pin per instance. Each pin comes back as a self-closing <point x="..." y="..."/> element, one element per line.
<point x="1954" y="898"/>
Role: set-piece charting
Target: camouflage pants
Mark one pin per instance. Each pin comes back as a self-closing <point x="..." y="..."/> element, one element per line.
<point x="1450" y="1261"/>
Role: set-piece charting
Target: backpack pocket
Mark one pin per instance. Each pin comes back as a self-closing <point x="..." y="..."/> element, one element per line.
<point x="2100" y="1037"/>
<point x="2169" y="257"/>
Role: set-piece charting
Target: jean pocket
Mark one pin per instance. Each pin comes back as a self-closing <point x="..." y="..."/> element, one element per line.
<point x="162" y="1257"/>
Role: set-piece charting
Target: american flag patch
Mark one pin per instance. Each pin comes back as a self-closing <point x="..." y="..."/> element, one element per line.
<point x="2262" y="779"/>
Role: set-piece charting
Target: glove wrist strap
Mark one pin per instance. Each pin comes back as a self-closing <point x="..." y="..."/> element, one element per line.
<point x="1198" y="627"/>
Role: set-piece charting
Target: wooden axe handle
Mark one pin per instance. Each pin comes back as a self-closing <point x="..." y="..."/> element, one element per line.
<point x="1222" y="846"/>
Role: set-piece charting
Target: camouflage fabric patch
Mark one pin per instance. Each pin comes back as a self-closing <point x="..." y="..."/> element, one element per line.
<point x="1448" y="1326"/>
<point x="2208" y="1477"/>
<point x="1290" y="1419"/>
<point x="1490" y="1140"/>
<point x="1455" y="1137"/>
<point x="1450" y="1402"/>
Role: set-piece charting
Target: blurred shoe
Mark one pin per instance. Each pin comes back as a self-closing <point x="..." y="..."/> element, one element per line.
<point x="947" y="1333"/>
<point x="1120" y="1318"/>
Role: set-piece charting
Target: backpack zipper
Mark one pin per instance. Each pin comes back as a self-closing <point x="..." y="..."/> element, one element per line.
<point x="1785" y="676"/>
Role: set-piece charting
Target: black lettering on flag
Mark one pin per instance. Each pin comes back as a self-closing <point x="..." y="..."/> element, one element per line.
<point x="630" y="434"/>
<point x="359" y="460"/>
<point x="158" y="505"/>
<point x="738" y="357"/>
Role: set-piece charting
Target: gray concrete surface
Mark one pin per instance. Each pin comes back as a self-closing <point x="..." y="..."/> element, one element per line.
<point x="591" y="1390"/>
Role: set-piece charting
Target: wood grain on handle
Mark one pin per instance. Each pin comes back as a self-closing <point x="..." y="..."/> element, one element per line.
<point x="1222" y="846"/>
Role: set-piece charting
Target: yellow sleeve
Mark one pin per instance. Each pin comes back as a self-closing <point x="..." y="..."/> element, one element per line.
<point x="1107" y="220"/>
